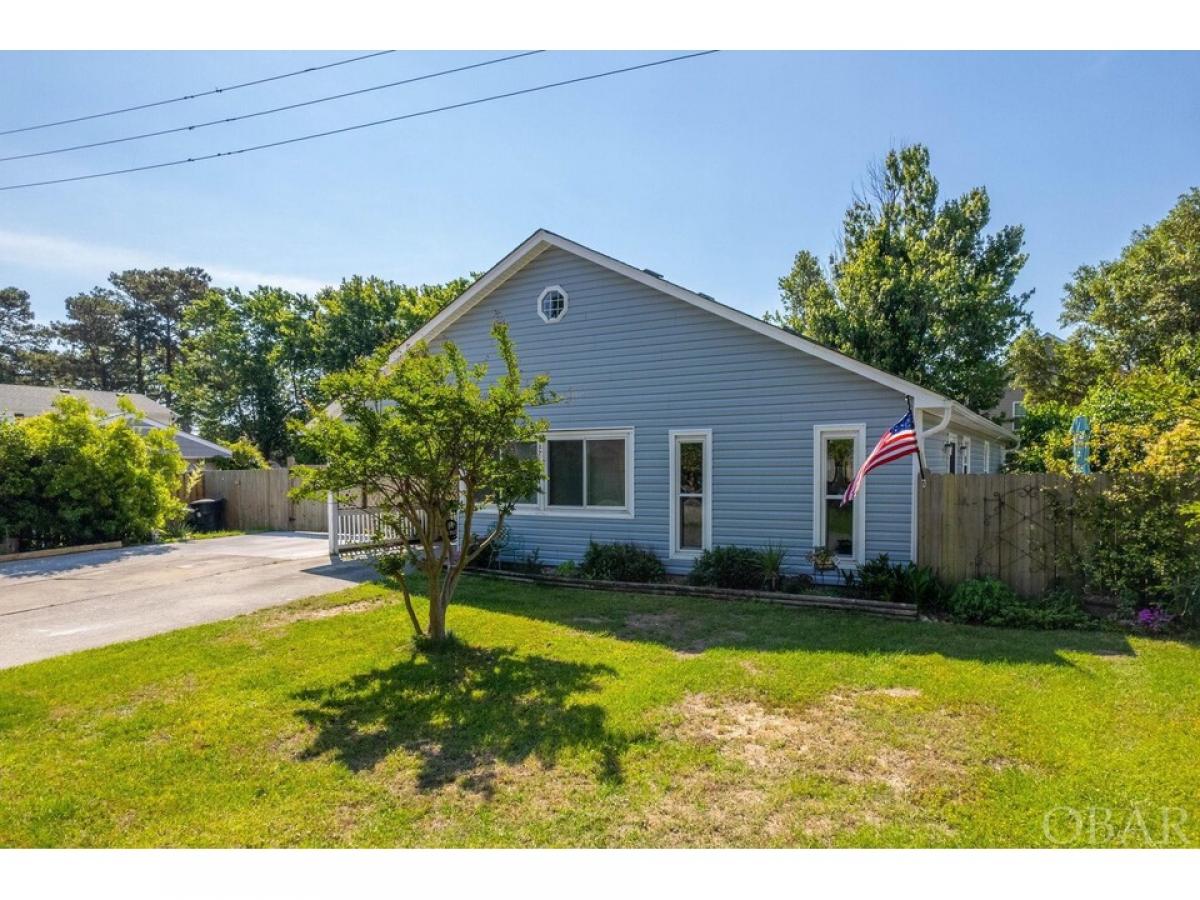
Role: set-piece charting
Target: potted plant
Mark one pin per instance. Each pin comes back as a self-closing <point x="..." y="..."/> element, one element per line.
<point x="822" y="559"/>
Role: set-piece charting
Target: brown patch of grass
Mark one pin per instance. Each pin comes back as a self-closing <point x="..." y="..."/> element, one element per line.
<point x="851" y="761"/>
<point x="677" y="632"/>
<point x="289" y="615"/>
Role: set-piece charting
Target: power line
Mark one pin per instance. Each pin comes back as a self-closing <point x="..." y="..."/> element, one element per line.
<point x="219" y="90"/>
<point x="360" y="126"/>
<point x="268" y="112"/>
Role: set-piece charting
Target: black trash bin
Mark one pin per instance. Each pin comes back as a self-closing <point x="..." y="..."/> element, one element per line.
<point x="207" y="515"/>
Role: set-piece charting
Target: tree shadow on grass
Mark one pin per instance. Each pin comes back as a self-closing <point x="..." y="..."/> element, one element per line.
<point x="463" y="710"/>
<point x="689" y="625"/>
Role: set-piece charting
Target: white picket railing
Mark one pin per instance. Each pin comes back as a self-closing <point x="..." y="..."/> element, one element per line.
<point x="362" y="528"/>
<point x="356" y="528"/>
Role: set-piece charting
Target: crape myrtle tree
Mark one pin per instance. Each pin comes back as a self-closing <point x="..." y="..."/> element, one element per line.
<point x="429" y="438"/>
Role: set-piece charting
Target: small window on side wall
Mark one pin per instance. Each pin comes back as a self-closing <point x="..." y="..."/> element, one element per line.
<point x="552" y="304"/>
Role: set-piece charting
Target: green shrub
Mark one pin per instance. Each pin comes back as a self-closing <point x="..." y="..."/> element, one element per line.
<point x="621" y="562"/>
<point x="797" y="584"/>
<point x="74" y="476"/>
<point x="772" y="557"/>
<point x="729" y="567"/>
<point x="921" y="586"/>
<point x="989" y="601"/>
<point x="881" y="579"/>
<point x="567" y="569"/>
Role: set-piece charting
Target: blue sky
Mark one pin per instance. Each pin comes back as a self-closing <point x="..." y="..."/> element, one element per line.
<point x="713" y="171"/>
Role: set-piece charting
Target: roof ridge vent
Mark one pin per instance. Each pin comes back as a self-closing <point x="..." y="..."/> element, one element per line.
<point x="652" y="272"/>
<point x="707" y="296"/>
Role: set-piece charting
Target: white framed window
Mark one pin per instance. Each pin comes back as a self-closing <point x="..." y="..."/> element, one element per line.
<point x="838" y="452"/>
<point x="1018" y="409"/>
<point x="987" y="457"/>
<point x="521" y="450"/>
<point x="552" y="304"/>
<point x="965" y="449"/>
<point x="691" y="491"/>
<point x="588" y="473"/>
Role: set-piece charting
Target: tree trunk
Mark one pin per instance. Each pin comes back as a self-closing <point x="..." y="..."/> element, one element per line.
<point x="437" y="617"/>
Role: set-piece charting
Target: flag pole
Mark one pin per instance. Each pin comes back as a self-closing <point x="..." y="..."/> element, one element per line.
<point x="917" y="432"/>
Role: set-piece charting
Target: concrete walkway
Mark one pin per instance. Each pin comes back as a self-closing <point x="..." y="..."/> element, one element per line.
<point x="66" y="603"/>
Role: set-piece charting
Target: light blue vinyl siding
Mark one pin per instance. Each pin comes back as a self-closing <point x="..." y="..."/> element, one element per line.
<point x="626" y="355"/>
<point x="935" y="454"/>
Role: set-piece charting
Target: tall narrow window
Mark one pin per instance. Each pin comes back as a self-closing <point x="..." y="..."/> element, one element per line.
<point x="965" y="449"/>
<point x="839" y="529"/>
<point x="691" y="492"/>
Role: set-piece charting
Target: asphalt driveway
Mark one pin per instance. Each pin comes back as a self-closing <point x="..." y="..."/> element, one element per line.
<point x="66" y="603"/>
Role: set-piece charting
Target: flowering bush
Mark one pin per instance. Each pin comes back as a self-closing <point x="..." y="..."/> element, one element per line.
<point x="1153" y="619"/>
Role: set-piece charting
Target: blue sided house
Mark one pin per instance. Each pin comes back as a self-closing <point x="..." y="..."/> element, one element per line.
<point x="686" y="424"/>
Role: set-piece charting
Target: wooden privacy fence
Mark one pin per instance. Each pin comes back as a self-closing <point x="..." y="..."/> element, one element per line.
<point x="1018" y="528"/>
<point x="258" y="498"/>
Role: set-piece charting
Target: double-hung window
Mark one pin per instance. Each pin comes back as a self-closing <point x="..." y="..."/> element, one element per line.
<point x="589" y="471"/>
<point x="691" y="491"/>
<point x="838" y="452"/>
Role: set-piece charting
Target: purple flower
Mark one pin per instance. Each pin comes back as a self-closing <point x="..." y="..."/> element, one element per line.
<point x="1153" y="619"/>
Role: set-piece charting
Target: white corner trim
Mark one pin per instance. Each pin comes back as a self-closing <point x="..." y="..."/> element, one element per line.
<point x="675" y="436"/>
<point x="858" y="431"/>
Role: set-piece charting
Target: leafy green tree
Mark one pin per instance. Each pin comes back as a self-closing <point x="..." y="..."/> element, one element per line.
<point x="245" y="456"/>
<point x="155" y="301"/>
<point x="75" y="475"/>
<point x="20" y="336"/>
<point x="361" y="315"/>
<point x="1050" y="369"/>
<point x="96" y="351"/>
<point x="246" y="367"/>
<point x="916" y="287"/>
<point x="428" y="438"/>
<point x="1136" y="309"/>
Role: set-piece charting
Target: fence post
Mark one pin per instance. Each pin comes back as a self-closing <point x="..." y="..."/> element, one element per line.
<point x="331" y="522"/>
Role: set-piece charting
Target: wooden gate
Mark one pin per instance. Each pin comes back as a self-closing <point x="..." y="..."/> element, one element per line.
<point x="1018" y="527"/>
<point x="260" y="499"/>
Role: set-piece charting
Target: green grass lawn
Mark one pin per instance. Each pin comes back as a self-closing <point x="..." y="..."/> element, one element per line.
<point x="577" y="718"/>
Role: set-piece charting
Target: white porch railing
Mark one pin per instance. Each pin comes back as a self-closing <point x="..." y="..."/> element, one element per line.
<point x="362" y="528"/>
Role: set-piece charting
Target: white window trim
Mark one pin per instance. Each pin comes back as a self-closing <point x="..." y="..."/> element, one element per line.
<point x="544" y="508"/>
<point x="519" y="507"/>
<point x="858" y="431"/>
<point x="566" y="304"/>
<point x="964" y="450"/>
<point x="987" y="457"/>
<point x="675" y="437"/>
<point x="1015" y="404"/>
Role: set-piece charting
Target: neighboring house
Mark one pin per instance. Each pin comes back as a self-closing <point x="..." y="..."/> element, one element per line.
<point x="19" y="401"/>
<point x="1011" y="408"/>
<point x="686" y="424"/>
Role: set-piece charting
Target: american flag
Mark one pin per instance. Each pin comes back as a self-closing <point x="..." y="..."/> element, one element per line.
<point x="897" y="442"/>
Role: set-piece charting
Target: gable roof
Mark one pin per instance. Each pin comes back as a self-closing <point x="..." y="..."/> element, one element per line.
<point x="542" y="240"/>
<point x="28" y="400"/>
